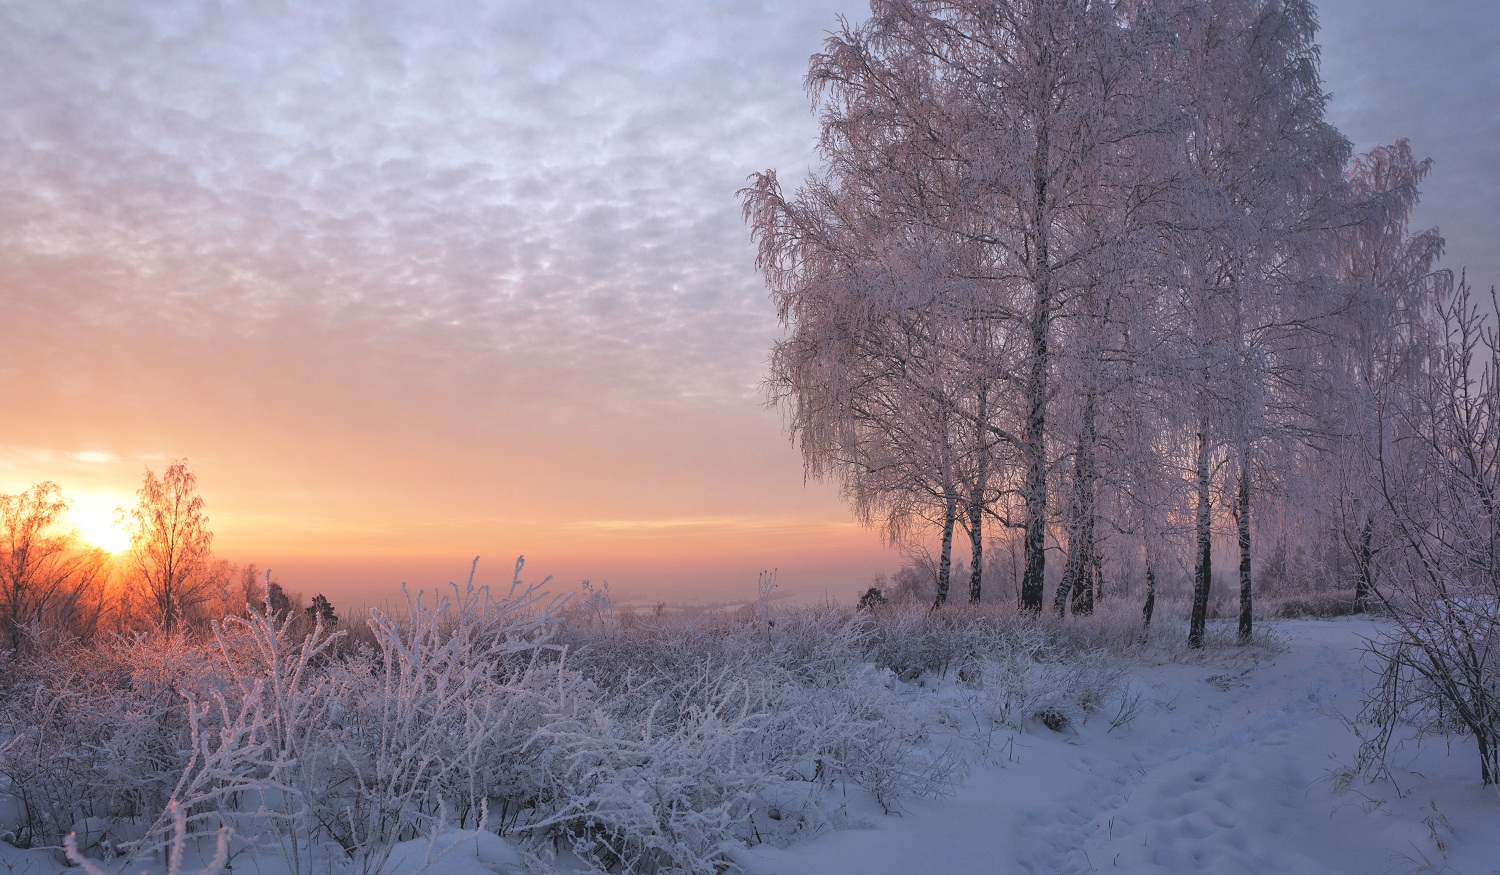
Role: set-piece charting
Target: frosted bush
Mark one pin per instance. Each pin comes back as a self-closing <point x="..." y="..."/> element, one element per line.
<point x="100" y="732"/>
<point x="725" y="758"/>
<point x="1438" y="672"/>
<point x="657" y="795"/>
<point x="413" y="721"/>
<point x="1439" y="582"/>
<point x="709" y="733"/>
<point x="662" y="744"/>
<point x="1016" y="689"/>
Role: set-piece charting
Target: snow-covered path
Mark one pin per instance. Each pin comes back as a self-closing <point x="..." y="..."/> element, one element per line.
<point x="1227" y="769"/>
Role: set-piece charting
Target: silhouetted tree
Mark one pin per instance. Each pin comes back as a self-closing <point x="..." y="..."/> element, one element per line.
<point x="251" y="593"/>
<point x="170" y="544"/>
<point x="277" y="599"/>
<point x="322" y="609"/>
<point x="41" y="572"/>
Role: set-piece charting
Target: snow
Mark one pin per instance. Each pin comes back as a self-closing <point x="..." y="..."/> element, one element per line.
<point x="456" y="853"/>
<point x="1236" y="760"/>
<point x="1230" y="767"/>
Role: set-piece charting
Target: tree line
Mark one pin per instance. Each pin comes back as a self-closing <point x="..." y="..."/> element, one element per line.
<point x="167" y="580"/>
<point x="1103" y="278"/>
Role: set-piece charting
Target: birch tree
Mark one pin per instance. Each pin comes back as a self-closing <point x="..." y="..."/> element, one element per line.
<point x="870" y="375"/>
<point x="867" y="377"/>
<point x="1389" y="275"/>
<point x="1048" y="113"/>
<point x="170" y="544"/>
<point x="1269" y="168"/>
<point x="986" y="130"/>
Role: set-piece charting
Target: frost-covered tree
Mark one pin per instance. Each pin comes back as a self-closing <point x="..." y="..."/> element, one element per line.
<point x="44" y="573"/>
<point x="1267" y="169"/>
<point x="1438" y="478"/>
<point x="983" y="135"/>
<point x="879" y="370"/>
<point x="872" y="389"/>
<point x="1094" y="272"/>
<point x="170" y="544"/>
<point x="1389" y="277"/>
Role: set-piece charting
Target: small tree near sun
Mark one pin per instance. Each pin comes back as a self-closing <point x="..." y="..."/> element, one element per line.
<point x="43" y="574"/>
<point x="170" y="543"/>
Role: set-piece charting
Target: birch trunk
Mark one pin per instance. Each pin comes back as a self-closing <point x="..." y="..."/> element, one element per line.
<point x="977" y="496"/>
<point x="1242" y="518"/>
<point x="945" y="559"/>
<point x="1035" y="495"/>
<point x="1077" y="584"/>
<point x="1203" y="570"/>
<point x="976" y="547"/>
<point x="1150" y="607"/>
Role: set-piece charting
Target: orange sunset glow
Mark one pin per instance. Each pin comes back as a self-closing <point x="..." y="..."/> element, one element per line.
<point x="404" y="288"/>
<point x="93" y="517"/>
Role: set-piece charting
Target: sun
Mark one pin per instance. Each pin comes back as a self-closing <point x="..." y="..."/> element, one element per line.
<point x="94" y="519"/>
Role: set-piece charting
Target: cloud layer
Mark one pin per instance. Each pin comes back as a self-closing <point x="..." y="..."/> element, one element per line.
<point x="497" y="193"/>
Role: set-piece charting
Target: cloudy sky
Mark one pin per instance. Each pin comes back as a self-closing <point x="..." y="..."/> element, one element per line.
<point x="408" y="282"/>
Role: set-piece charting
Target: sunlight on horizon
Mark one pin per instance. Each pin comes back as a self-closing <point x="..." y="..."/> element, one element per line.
<point x="93" y="516"/>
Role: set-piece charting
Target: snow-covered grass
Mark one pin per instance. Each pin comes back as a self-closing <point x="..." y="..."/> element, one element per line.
<point x="481" y="734"/>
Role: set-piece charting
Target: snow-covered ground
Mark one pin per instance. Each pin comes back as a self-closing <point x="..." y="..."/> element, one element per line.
<point x="1229" y="767"/>
<point x="1230" y="764"/>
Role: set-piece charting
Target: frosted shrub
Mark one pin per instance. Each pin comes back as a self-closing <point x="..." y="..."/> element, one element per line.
<point x="145" y="730"/>
<point x="1013" y="670"/>
<point x="1115" y="627"/>
<point x="1439" y="672"/>
<point x="814" y="642"/>
<point x="869" y="737"/>
<point x="176" y="854"/>
<point x="1439" y="482"/>
<point x="412" y="728"/>
<point x="302" y="751"/>
<point x="280" y="673"/>
<point x="910" y="644"/>
<point x="617" y="658"/>
<point x="230" y="753"/>
<point x="100" y="732"/>
<point x="658" y="745"/>
<point x="912" y="641"/>
<point x="1016" y="688"/>
<point x="657" y="795"/>
<point x="725" y="759"/>
<point x="52" y="730"/>
<point x="712" y="732"/>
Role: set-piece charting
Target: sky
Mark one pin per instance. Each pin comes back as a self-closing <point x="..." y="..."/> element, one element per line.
<point x="409" y="282"/>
